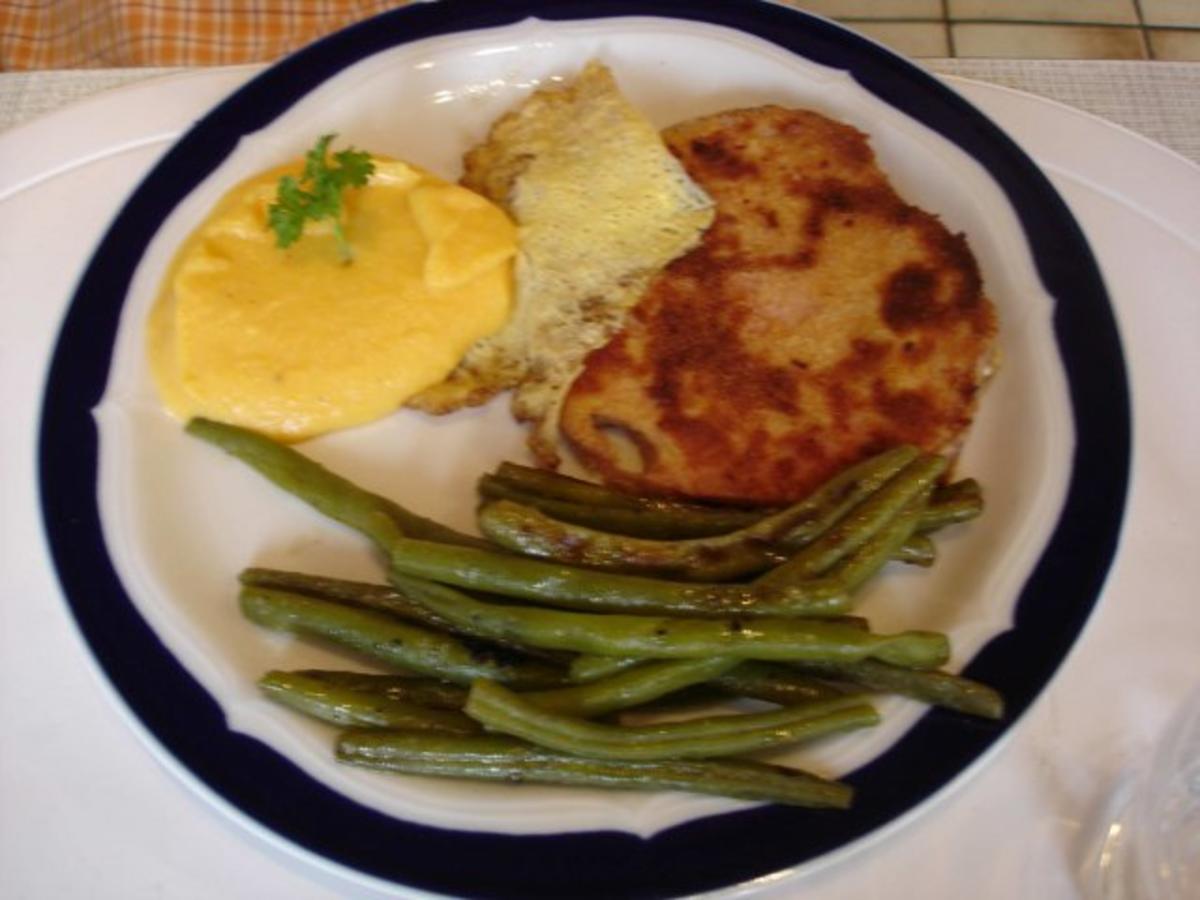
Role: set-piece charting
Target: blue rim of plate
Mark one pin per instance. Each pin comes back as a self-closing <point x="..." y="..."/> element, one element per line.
<point x="705" y="854"/>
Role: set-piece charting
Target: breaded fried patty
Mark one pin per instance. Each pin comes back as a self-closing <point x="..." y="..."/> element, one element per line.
<point x="822" y="319"/>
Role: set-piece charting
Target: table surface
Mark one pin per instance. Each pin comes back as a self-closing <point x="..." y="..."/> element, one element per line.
<point x="1059" y="759"/>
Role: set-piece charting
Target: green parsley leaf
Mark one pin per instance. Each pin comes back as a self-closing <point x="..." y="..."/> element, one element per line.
<point x="318" y="193"/>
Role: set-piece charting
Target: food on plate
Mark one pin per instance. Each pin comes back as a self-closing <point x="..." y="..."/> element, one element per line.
<point x="512" y="761"/>
<point x="522" y="525"/>
<point x="601" y="205"/>
<point x="375" y="701"/>
<point x="809" y="347"/>
<point x="378" y="292"/>
<point x="821" y="319"/>
<point x="388" y="640"/>
<point x="582" y="502"/>
<point x="505" y="711"/>
<point x="817" y="580"/>
<point x="512" y="690"/>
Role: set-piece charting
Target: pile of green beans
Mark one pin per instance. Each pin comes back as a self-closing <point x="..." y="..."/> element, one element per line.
<point x="516" y="656"/>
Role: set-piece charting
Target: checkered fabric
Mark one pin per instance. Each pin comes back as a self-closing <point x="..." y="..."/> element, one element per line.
<point x="66" y="34"/>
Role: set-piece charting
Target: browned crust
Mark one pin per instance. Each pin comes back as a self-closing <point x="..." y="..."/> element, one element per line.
<point x="821" y="319"/>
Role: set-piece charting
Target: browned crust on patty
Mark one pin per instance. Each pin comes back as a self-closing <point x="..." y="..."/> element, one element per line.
<point x="822" y="318"/>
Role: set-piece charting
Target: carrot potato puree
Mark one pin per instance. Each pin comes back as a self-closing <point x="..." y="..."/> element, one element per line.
<point x="294" y="342"/>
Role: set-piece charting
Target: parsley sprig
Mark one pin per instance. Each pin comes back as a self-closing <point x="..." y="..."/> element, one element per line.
<point x="317" y="194"/>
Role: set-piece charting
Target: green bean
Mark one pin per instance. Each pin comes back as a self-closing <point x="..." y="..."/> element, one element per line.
<point x="647" y="517"/>
<point x="847" y="491"/>
<point x="545" y="483"/>
<point x="572" y="587"/>
<point x="650" y="681"/>
<point x="774" y="683"/>
<point x="382" y="597"/>
<point x="882" y="546"/>
<point x="527" y="530"/>
<point x="530" y="532"/>
<point x="488" y="570"/>
<point x="377" y="517"/>
<point x="959" y="501"/>
<point x="427" y="692"/>
<point x="646" y="522"/>
<point x="933" y="687"/>
<point x="855" y="548"/>
<point x="344" y="705"/>
<point x="587" y="667"/>
<point x="918" y="550"/>
<point x="499" y="709"/>
<point x="502" y="573"/>
<point x="387" y="639"/>
<point x="857" y="527"/>
<point x="358" y="593"/>
<point x="657" y="637"/>
<point x="629" y="688"/>
<point x="497" y="758"/>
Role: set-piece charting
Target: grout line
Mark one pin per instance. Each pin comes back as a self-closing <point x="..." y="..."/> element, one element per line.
<point x="1146" y="45"/>
<point x="946" y="19"/>
<point x="950" y="48"/>
<point x="902" y="20"/>
<point x="927" y="20"/>
<point x="1072" y="23"/>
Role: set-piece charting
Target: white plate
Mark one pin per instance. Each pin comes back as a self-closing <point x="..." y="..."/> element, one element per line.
<point x="180" y="519"/>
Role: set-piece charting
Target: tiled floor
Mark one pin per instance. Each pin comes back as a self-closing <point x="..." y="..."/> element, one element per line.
<point x="1029" y="29"/>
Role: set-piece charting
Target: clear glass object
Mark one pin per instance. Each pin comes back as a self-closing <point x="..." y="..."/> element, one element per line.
<point x="1151" y="848"/>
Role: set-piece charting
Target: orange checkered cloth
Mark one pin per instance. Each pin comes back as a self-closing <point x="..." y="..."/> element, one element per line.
<point x="69" y="34"/>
